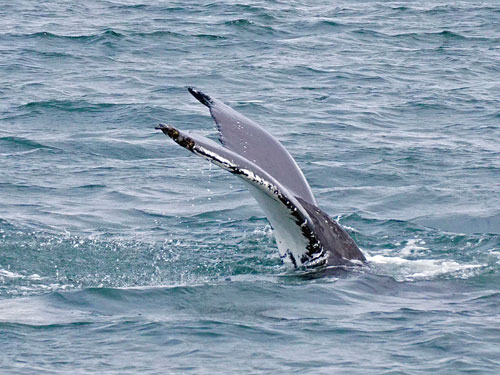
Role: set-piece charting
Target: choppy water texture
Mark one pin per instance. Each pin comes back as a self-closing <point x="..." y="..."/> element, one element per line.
<point x="121" y="253"/>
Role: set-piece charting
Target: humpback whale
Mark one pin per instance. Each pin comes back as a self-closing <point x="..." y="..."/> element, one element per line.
<point x="306" y="236"/>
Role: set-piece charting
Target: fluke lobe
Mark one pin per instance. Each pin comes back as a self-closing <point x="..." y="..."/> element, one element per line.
<point x="306" y="236"/>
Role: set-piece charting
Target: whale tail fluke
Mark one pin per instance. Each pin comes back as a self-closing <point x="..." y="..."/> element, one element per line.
<point x="305" y="235"/>
<point x="202" y="98"/>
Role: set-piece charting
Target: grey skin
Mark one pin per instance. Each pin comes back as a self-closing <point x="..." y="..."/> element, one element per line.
<point x="306" y="236"/>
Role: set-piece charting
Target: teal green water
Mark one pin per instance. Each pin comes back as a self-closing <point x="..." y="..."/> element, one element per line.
<point x="121" y="253"/>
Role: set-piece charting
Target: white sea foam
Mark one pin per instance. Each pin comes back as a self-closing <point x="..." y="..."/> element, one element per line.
<point x="496" y="254"/>
<point x="413" y="247"/>
<point x="266" y="231"/>
<point x="29" y="284"/>
<point x="6" y="274"/>
<point x="10" y="275"/>
<point x="402" y="269"/>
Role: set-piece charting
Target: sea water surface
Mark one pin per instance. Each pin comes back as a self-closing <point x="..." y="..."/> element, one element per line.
<point x="122" y="253"/>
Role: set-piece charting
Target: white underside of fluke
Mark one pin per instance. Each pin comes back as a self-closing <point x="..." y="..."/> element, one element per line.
<point x="288" y="233"/>
<point x="291" y="241"/>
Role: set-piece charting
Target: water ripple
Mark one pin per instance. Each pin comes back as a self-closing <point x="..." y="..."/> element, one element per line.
<point x="115" y="241"/>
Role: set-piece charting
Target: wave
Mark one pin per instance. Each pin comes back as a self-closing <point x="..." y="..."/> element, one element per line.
<point x="247" y="24"/>
<point x="446" y="34"/>
<point x="25" y="143"/>
<point x="239" y="22"/>
<point x="453" y="9"/>
<point x="67" y="105"/>
<point x="262" y="12"/>
<point x="488" y="223"/>
<point x="160" y="34"/>
<point x="425" y="36"/>
<point x="106" y="35"/>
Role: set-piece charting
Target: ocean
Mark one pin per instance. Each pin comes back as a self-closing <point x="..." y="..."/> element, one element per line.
<point x="122" y="253"/>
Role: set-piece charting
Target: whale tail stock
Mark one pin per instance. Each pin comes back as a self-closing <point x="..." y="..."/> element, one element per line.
<point x="306" y="236"/>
